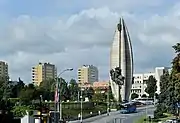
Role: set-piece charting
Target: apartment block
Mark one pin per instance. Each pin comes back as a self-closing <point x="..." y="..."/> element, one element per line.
<point x="87" y="74"/>
<point x="140" y="80"/>
<point x="43" y="71"/>
<point x="3" y="69"/>
<point x="139" y="84"/>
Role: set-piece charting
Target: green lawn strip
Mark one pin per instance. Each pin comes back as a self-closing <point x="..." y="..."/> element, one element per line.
<point x="73" y="113"/>
<point x="169" y="116"/>
<point x="141" y="120"/>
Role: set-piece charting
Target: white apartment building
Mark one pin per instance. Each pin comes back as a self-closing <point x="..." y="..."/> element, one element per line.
<point x="87" y="74"/>
<point x="140" y="80"/>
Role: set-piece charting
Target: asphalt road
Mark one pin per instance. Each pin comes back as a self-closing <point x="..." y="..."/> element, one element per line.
<point x="120" y="118"/>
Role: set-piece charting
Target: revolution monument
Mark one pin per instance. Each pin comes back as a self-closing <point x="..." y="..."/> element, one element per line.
<point x="121" y="63"/>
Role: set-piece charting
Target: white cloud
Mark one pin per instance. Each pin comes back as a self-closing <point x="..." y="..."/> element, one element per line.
<point x="85" y="38"/>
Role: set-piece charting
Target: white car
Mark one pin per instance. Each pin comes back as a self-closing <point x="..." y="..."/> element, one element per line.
<point x="171" y="121"/>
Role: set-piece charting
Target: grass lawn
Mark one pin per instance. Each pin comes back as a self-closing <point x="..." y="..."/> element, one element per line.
<point x="73" y="114"/>
<point x="141" y="120"/>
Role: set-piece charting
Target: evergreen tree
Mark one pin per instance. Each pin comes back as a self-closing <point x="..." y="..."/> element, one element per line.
<point x="151" y="86"/>
<point x="73" y="88"/>
<point x="164" y="85"/>
<point x="134" y="95"/>
<point x="175" y="79"/>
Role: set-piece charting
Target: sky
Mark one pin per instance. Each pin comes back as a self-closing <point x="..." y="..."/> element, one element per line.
<point x="71" y="33"/>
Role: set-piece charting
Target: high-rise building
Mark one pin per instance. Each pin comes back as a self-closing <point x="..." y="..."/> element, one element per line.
<point x="87" y="74"/>
<point x="43" y="71"/>
<point x="140" y="80"/>
<point x="121" y="55"/>
<point x="3" y="69"/>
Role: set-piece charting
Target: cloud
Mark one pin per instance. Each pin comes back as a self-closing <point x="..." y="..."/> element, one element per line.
<point x="85" y="38"/>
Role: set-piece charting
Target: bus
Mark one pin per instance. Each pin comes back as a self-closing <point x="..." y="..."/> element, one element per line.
<point x="129" y="107"/>
<point x="146" y="101"/>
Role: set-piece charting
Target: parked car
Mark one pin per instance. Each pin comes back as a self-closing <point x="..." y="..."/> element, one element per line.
<point x="172" y="121"/>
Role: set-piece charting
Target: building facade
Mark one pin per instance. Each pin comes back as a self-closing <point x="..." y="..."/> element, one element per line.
<point x="43" y="71"/>
<point x="102" y="86"/>
<point x="4" y="69"/>
<point x="87" y="74"/>
<point x="121" y="55"/>
<point x="140" y="81"/>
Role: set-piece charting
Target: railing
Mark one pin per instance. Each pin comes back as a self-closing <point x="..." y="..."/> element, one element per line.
<point x="116" y="120"/>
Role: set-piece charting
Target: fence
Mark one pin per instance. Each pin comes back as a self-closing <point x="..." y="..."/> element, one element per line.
<point x="116" y="120"/>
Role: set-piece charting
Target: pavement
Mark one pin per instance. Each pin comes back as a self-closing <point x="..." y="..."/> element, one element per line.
<point x="120" y="118"/>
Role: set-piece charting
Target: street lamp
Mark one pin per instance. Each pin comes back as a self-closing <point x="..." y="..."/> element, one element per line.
<point x="81" y="103"/>
<point x="59" y="106"/>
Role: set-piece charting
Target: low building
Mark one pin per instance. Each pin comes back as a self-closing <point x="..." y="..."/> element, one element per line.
<point x="101" y="85"/>
<point x="140" y="80"/>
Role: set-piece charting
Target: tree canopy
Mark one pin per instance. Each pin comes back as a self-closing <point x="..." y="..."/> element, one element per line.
<point x="151" y="86"/>
<point x="134" y="95"/>
<point x="170" y="86"/>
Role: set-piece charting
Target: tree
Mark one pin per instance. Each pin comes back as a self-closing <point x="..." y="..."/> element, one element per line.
<point x="17" y="89"/>
<point x="134" y="95"/>
<point x="164" y="95"/>
<point x="5" y="89"/>
<point x="20" y="111"/>
<point x="100" y="97"/>
<point x="174" y="89"/>
<point x="177" y="48"/>
<point x="28" y="94"/>
<point x="73" y="89"/>
<point x="47" y="89"/>
<point x="64" y="90"/>
<point x="144" y="96"/>
<point x="151" y="86"/>
<point x="164" y="85"/>
<point x="170" y="86"/>
<point x="89" y="92"/>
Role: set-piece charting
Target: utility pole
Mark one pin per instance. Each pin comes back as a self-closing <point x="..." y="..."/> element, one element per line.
<point x="78" y="96"/>
<point x="41" y="120"/>
<point x="81" y="104"/>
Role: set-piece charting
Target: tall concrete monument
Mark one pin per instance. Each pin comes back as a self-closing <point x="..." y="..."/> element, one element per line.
<point x="121" y="63"/>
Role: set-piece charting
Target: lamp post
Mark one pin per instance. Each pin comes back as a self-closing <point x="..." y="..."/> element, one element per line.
<point x="40" y="99"/>
<point x="59" y="104"/>
<point x="81" y="103"/>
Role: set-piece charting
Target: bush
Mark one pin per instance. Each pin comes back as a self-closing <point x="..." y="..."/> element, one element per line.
<point x="159" y="112"/>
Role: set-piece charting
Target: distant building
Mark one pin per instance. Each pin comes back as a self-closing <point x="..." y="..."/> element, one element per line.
<point x="85" y="85"/>
<point x="87" y="74"/>
<point x="4" y="69"/>
<point x="43" y="71"/>
<point x="101" y="85"/>
<point x="140" y="80"/>
<point x="139" y="84"/>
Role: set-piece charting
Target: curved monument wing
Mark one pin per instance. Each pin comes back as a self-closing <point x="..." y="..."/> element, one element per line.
<point x="122" y="56"/>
